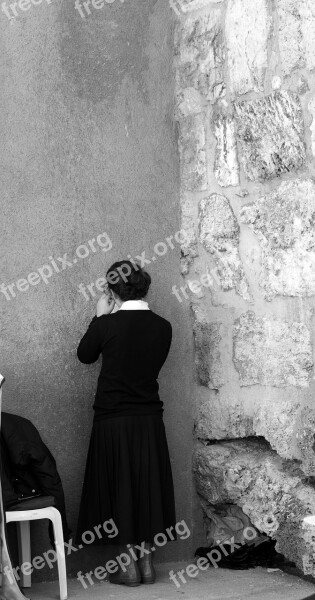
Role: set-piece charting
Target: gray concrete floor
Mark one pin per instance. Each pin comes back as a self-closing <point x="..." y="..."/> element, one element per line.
<point x="213" y="584"/>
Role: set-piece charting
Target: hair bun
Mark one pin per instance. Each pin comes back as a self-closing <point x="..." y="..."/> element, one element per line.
<point x="132" y="285"/>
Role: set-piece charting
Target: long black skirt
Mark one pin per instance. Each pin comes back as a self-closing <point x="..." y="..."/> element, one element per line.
<point x="128" y="482"/>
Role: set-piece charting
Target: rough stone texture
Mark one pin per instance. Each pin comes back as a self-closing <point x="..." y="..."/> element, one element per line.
<point x="307" y="11"/>
<point x="192" y="153"/>
<point x="271" y="491"/>
<point x="271" y="135"/>
<point x="261" y="351"/>
<point x="189" y="248"/>
<point x="296" y="34"/>
<point x="200" y="53"/>
<point x="276" y="422"/>
<point x="311" y="108"/>
<point x="209" y="367"/>
<point x="260" y="385"/>
<point x="306" y="439"/>
<point x="220" y="417"/>
<point x="219" y="234"/>
<point x="247" y="28"/>
<point x="218" y="420"/>
<point x="226" y="168"/>
<point x="302" y="85"/>
<point x="284" y="224"/>
<point x="189" y="102"/>
<point x="290" y="35"/>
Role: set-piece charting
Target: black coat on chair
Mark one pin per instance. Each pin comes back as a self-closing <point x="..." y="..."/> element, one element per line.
<point x="28" y="469"/>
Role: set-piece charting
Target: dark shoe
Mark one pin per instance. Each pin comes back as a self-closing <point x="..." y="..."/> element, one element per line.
<point x="146" y="567"/>
<point x="131" y="577"/>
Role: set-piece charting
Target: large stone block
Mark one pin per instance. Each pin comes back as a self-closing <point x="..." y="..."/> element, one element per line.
<point x="200" y="53"/>
<point x="284" y="224"/>
<point x="219" y="234"/>
<point x="261" y="353"/>
<point x="192" y="153"/>
<point x="226" y="168"/>
<point x="209" y="368"/>
<point x="247" y="28"/>
<point x="219" y="418"/>
<point x="271" y="135"/>
<point x="296" y="34"/>
<point x="307" y="11"/>
<point x="271" y="491"/>
<point x="290" y="35"/>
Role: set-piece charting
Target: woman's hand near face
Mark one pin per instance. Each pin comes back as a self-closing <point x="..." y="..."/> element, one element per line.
<point x="105" y="305"/>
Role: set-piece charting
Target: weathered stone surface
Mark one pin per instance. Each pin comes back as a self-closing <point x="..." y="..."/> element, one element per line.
<point x="226" y="168"/>
<point x="189" y="5"/>
<point x="307" y="11"/>
<point x="271" y="135"/>
<point x="269" y="490"/>
<point x="296" y="34"/>
<point x="189" y="247"/>
<point x="200" y="53"/>
<point x="302" y="85"/>
<point x="276" y="83"/>
<point x="305" y="437"/>
<point x="247" y="28"/>
<point x="284" y="224"/>
<point x="192" y="153"/>
<point x="218" y="420"/>
<point x="209" y="368"/>
<point x="311" y="108"/>
<point x="189" y="102"/>
<point x="261" y="351"/>
<point x="219" y="234"/>
<point x="290" y="35"/>
<point x="276" y="422"/>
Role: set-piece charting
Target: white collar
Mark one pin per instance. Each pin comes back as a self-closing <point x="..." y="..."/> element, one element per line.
<point x="134" y="305"/>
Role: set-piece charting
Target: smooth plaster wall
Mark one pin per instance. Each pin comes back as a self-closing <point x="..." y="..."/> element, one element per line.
<point x="88" y="146"/>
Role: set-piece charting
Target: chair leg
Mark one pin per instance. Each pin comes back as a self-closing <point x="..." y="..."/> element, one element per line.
<point x="24" y="544"/>
<point x="61" y="561"/>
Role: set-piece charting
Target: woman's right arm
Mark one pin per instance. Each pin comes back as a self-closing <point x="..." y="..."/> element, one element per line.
<point x="90" y="346"/>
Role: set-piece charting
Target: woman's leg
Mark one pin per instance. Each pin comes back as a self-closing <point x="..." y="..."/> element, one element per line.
<point x="146" y="567"/>
<point x="129" y="574"/>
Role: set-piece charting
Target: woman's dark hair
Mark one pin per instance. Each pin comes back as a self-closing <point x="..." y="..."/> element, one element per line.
<point x="128" y="280"/>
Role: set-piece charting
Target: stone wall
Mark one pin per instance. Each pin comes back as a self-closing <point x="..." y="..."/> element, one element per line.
<point x="245" y="111"/>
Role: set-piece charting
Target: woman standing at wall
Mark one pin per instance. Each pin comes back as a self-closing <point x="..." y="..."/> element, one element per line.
<point x="128" y="475"/>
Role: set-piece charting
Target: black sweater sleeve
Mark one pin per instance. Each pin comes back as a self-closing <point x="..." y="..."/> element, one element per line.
<point x="90" y="346"/>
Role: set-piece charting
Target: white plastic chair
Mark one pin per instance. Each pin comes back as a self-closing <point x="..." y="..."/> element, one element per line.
<point x="23" y="517"/>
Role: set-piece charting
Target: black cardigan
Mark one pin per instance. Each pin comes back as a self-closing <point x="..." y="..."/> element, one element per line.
<point x="134" y="345"/>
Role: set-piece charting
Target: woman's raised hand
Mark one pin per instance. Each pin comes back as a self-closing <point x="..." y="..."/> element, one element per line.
<point x="105" y="305"/>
